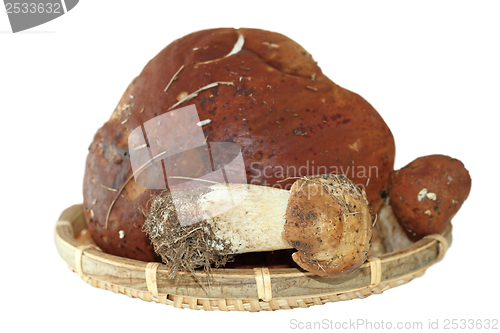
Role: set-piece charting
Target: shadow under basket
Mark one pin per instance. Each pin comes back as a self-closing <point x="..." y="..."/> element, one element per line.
<point x="236" y="289"/>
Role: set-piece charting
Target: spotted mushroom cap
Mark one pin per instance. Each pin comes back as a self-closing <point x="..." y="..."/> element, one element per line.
<point x="329" y="221"/>
<point x="428" y="192"/>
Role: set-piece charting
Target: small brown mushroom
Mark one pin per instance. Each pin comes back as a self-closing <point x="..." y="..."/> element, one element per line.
<point x="326" y="218"/>
<point x="428" y="192"/>
<point x="329" y="222"/>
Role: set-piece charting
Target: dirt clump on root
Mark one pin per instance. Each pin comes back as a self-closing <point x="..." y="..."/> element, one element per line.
<point x="190" y="248"/>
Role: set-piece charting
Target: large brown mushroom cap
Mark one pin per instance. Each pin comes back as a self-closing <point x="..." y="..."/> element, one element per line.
<point x="329" y="222"/>
<point x="288" y="118"/>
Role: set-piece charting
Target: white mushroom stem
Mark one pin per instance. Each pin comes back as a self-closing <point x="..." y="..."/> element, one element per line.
<point x="256" y="223"/>
<point x="393" y="234"/>
<point x="250" y="217"/>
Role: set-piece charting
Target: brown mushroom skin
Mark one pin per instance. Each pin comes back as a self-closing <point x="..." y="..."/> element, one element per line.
<point x="428" y="192"/>
<point x="332" y="239"/>
<point x="282" y="111"/>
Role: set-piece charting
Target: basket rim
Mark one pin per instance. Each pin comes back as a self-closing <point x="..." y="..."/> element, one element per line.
<point x="149" y="278"/>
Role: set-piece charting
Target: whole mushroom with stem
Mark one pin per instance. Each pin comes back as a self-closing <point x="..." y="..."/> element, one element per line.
<point x="327" y="218"/>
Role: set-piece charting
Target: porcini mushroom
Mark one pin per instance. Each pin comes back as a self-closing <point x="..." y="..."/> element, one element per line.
<point x="428" y="192"/>
<point x="270" y="98"/>
<point x="326" y="218"/>
<point x="423" y="198"/>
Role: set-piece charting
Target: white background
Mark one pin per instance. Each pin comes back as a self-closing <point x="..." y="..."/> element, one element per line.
<point x="430" y="68"/>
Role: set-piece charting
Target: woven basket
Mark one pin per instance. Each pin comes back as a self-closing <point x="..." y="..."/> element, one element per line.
<point x="240" y="289"/>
